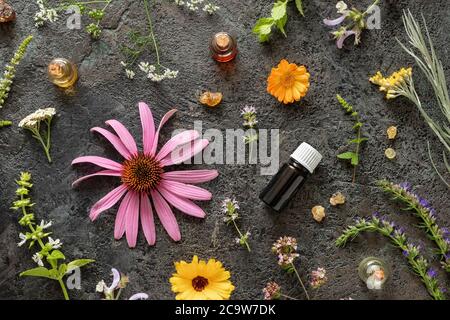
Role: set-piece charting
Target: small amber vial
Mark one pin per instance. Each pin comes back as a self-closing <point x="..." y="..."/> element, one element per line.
<point x="223" y="47"/>
<point x="62" y="73"/>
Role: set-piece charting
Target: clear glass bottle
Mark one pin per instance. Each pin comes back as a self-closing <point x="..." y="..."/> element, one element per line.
<point x="291" y="177"/>
<point x="374" y="272"/>
<point x="62" y="73"/>
<point x="223" y="47"/>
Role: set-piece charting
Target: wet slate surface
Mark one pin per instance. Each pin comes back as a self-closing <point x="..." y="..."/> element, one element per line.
<point x="103" y="93"/>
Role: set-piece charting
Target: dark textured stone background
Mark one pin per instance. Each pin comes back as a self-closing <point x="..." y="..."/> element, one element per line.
<point x="105" y="93"/>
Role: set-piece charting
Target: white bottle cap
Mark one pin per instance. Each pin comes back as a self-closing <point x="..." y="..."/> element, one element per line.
<point x="307" y="156"/>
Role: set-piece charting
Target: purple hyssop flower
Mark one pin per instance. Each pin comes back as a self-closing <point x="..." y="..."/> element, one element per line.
<point x="432" y="273"/>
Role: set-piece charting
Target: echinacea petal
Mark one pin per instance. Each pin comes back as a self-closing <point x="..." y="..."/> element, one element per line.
<point x="107" y="201"/>
<point x="182" y="204"/>
<point x="99" y="161"/>
<point x="148" y="127"/>
<point x="147" y="220"/>
<point x="185" y="190"/>
<point x="112" y="173"/>
<point x="166" y="216"/>
<point x="124" y="135"/>
<point x="177" y="140"/>
<point x="164" y="119"/>
<point x="119" y="224"/>
<point x="114" y="140"/>
<point x="191" y="176"/>
<point x="184" y="152"/>
<point x="132" y="220"/>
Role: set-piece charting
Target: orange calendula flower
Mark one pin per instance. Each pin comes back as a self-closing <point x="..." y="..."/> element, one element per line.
<point x="288" y="82"/>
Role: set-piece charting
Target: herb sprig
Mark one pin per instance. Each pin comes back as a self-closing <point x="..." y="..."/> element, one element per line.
<point x="423" y="210"/>
<point x="49" y="248"/>
<point x="398" y="238"/>
<point x="278" y="19"/>
<point x="353" y="156"/>
<point x="10" y="70"/>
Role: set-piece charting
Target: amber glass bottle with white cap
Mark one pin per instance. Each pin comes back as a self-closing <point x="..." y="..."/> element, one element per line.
<point x="291" y="177"/>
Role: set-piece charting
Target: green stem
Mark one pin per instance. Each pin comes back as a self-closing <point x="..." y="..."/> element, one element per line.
<point x="45" y="146"/>
<point x="241" y="236"/>
<point x="150" y="27"/>
<point x="64" y="290"/>
<point x="300" y="280"/>
<point x="357" y="151"/>
<point x="287" y="297"/>
<point x="371" y="7"/>
<point x="30" y="226"/>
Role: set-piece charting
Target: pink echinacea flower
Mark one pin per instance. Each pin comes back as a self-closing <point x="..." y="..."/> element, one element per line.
<point x="144" y="180"/>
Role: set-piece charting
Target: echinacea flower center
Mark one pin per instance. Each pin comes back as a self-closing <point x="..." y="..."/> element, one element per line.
<point x="199" y="283"/>
<point x="142" y="173"/>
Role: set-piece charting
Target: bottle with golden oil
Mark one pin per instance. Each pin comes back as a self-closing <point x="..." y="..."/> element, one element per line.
<point x="62" y="73"/>
<point x="223" y="47"/>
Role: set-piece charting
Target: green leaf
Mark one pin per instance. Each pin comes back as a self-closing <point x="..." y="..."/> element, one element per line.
<point x="279" y="10"/>
<point x="358" y="141"/>
<point x="56" y="255"/>
<point x="78" y="264"/>
<point x="280" y="25"/>
<point x="62" y="270"/>
<point x="299" y="5"/>
<point x="357" y="125"/>
<point x="38" y="272"/>
<point x="347" y="155"/>
<point x="263" y="26"/>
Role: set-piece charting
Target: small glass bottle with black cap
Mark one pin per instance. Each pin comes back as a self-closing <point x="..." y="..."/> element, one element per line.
<point x="291" y="177"/>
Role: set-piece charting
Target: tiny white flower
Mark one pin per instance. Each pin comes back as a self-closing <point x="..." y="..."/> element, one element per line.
<point x="38" y="259"/>
<point x="56" y="244"/>
<point x="23" y="239"/>
<point x="45" y="225"/>
<point x="130" y="73"/>
<point x="100" y="287"/>
<point x="123" y="63"/>
<point x="341" y="7"/>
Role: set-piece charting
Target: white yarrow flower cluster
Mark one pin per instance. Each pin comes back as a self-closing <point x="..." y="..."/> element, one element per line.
<point x="44" y="14"/>
<point x="152" y="73"/>
<point x="194" y="5"/>
<point x="32" y="120"/>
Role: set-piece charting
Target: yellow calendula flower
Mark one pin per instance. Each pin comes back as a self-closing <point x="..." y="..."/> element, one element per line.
<point x="201" y="280"/>
<point x="392" y="85"/>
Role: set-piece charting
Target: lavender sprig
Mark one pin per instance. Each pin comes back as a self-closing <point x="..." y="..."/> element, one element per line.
<point x="418" y="263"/>
<point x="423" y="210"/>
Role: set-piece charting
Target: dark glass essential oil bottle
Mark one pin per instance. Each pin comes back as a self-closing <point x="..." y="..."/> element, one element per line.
<point x="291" y="177"/>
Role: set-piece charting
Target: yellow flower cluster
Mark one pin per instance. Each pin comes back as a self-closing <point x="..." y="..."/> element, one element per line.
<point x="392" y="84"/>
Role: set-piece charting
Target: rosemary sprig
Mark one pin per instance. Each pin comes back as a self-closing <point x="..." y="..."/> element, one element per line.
<point x="353" y="156"/>
<point x="418" y="263"/>
<point x="423" y="210"/>
<point x="432" y="68"/>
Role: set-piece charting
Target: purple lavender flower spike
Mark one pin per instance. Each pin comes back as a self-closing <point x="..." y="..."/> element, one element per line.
<point x="334" y="22"/>
<point x="432" y="273"/>
<point x="341" y="39"/>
